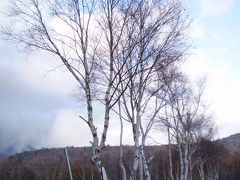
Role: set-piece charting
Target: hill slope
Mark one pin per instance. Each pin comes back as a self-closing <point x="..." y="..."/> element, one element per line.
<point x="232" y="142"/>
<point x="51" y="164"/>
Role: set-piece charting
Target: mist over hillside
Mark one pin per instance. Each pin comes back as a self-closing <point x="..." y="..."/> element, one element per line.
<point x="11" y="150"/>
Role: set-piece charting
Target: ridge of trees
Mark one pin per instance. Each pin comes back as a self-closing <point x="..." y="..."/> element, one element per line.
<point x="50" y="163"/>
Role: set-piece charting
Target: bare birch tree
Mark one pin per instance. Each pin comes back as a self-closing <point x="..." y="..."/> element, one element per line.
<point x="114" y="50"/>
<point x="84" y="36"/>
<point x="208" y="158"/>
<point x="187" y="120"/>
<point x="159" y="29"/>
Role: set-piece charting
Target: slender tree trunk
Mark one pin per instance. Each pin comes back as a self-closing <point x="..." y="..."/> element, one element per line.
<point x="216" y="172"/>
<point x="181" y="175"/>
<point x="190" y="174"/>
<point x="19" y="172"/>
<point x="164" y="175"/>
<point x="92" y="176"/>
<point x="68" y="164"/>
<point x="123" y="170"/>
<point x="146" y="169"/>
<point x="103" y="174"/>
<point x="136" y="151"/>
<point x="186" y="161"/>
<point x="177" y="173"/>
<point x="200" y="170"/>
<point x="144" y="160"/>
<point x="157" y="173"/>
<point x="140" y="167"/>
<point x="122" y="167"/>
<point x="136" y="134"/>
<point x="170" y="156"/>
<point x="96" y="149"/>
<point x="213" y="171"/>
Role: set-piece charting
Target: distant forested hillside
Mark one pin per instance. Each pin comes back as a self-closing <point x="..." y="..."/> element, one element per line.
<point x="232" y="142"/>
<point x="11" y="150"/>
<point x="51" y="163"/>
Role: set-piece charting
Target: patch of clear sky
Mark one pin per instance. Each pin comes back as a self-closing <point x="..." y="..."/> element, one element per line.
<point x="221" y="36"/>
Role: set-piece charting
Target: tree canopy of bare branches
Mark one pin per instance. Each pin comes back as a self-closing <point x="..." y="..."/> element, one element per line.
<point x="186" y="120"/>
<point x="117" y="51"/>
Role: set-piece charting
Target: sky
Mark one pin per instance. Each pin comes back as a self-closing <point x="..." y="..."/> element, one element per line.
<point x="36" y="104"/>
<point x="215" y="33"/>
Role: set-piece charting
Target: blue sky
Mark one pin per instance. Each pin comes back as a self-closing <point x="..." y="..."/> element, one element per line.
<point x="36" y="109"/>
<point x="215" y="34"/>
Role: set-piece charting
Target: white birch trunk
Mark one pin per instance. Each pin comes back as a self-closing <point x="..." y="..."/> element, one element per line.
<point x="123" y="171"/>
<point x="170" y="156"/>
<point x="122" y="167"/>
<point x="200" y="170"/>
<point x="140" y="168"/>
<point x="190" y="174"/>
<point x="185" y="161"/>
<point x="136" y="134"/>
<point x="181" y="175"/>
<point x="144" y="173"/>
<point x="216" y="171"/>
<point x="145" y="161"/>
<point x="103" y="174"/>
<point x="96" y="150"/>
<point x="146" y="170"/>
<point x="213" y="171"/>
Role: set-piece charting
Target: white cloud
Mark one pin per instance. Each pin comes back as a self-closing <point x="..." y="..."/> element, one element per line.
<point x="211" y="7"/>
<point x="226" y="98"/>
<point x="197" y="30"/>
<point x="217" y="36"/>
<point x="196" y="66"/>
<point x="68" y="130"/>
<point x="114" y="131"/>
<point x="221" y="93"/>
<point x="44" y="72"/>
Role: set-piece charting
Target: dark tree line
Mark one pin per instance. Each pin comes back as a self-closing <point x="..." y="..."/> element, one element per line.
<point x="51" y="164"/>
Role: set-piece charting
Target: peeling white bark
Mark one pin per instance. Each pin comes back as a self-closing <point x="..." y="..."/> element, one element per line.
<point x="103" y="174"/>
